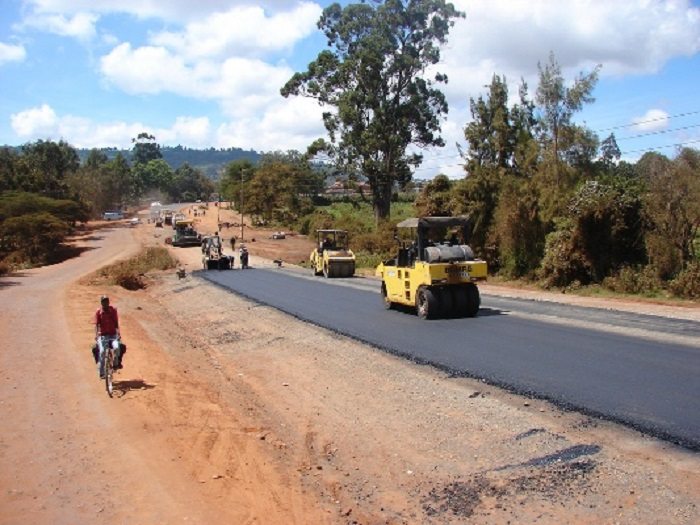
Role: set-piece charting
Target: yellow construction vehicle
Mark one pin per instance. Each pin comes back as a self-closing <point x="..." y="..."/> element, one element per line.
<point x="434" y="270"/>
<point x="332" y="257"/>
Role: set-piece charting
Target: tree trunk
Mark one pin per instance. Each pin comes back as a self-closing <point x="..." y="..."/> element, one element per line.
<point x="382" y="203"/>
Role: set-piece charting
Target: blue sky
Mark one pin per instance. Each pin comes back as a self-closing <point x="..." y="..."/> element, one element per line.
<point x="207" y="73"/>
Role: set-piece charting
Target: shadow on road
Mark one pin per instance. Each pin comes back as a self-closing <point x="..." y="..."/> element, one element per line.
<point x="123" y="387"/>
<point x="483" y="312"/>
<point x="488" y="312"/>
<point x="7" y="281"/>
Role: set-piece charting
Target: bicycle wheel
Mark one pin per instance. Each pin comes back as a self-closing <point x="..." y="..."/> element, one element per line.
<point x="109" y="371"/>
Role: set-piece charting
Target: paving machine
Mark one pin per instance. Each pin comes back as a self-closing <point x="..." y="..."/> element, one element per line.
<point x="433" y="271"/>
<point x="332" y="257"/>
<point x="184" y="234"/>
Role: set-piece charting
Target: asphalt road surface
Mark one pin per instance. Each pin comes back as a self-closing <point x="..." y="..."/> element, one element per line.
<point x="640" y="370"/>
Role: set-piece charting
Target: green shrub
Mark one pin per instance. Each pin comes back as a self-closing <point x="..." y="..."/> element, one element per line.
<point x="634" y="280"/>
<point x="562" y="264"/>
<point x="33" y="237"/>
<point x="687" y="282"/>
<point x="368" y="260"/>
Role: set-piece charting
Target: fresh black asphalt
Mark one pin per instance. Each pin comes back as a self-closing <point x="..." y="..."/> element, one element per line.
<point x="645" y="383"/>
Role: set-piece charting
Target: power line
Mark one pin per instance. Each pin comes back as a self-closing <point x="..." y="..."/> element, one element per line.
<point x="678" y="145"/>
<point x="657" y="119"/>
<point x="659" y="132"/>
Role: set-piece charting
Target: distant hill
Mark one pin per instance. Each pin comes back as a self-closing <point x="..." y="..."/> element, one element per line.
<point x="211" y="161"/>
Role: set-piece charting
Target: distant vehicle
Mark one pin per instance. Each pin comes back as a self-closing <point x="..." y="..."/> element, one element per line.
<point x="155" y="203"/>
<point x="185" y="234"/>
<point x="134" y="221"/>
<point x="214" y="257"/>
<point x="167" y="217"/>
<point x="279" y="235"/>
<point x="332" y="257"/>
<point x="112" y="216"/>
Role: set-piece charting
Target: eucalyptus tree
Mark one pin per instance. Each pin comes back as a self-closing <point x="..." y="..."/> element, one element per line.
<point x="374" y="79"/>
<point x="145" y="149"/>
<point x="561" y="138"/>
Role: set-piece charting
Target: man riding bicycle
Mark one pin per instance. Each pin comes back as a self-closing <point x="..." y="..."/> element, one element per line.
<point x="107" y="331"/>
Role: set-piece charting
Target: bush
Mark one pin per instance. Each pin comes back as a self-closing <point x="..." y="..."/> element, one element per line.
<point x="633" y="280"/>
<point x="33" y="237"/>
<point x="368" y="260"/>
<point x="562" y="264"/>
<point x="4" y="268"/>
<point x="130" y="274"/>
<point x="687" y="282"/>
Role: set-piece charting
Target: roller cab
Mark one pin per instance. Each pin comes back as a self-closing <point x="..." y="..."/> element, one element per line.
<point x="434" y="271"/>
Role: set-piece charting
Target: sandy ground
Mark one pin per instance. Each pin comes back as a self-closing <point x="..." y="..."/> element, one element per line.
<point x="230" y="412"/>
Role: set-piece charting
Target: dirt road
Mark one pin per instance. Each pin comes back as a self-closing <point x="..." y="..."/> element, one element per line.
<point x="228" y="412"/>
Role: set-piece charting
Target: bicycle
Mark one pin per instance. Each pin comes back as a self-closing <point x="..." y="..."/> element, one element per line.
<point x="109" y="345"/>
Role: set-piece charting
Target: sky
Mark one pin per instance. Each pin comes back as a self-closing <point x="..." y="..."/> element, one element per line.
<point x="203" y="74"/>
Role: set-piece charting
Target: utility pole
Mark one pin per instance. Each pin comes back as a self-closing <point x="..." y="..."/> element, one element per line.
<point x="240" y="204"/>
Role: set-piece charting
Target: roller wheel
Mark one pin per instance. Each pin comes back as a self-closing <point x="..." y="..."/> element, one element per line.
<point x="460" y="300"/>
<point x="444" y="297"/>
<point x="473" y="300"/>
<point x="426" y="303"/>
<point x="387" y="303"/>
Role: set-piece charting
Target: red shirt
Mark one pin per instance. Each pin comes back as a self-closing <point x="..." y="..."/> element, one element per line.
<point x="107" y="321"/>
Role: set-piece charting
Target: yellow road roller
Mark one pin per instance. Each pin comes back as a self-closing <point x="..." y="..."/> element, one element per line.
<point x="332" y="257"/>
<point x="435" y="271"/>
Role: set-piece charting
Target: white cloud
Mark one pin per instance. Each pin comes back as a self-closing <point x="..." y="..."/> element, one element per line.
<point x="149" y="70"/>
<point x="284" y="125"/>
<point x="182" y="11"/>
<point x="11" y="53"/>
<point x="192" y="131"/>
<point x="241" y="86"/>
<point x="509" y="38"/>
<point x="35" y="122"/>
<point x="242" y="31"/>
<point x="80" y="25"/>
<point x="635" y="36"/>
<point x="652" y="120"/>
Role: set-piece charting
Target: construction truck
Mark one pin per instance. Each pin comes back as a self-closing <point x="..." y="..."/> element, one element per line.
<point x="167" y="217"/>
<point x="184" y="234"/>
<point x="434" y="270"/>
<point x="213" y="257"/>
<point x="332" y="257"/>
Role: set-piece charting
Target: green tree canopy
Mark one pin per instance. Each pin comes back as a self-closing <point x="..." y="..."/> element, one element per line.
<point x="145" y="149"/>
<point x="435" y="198"/>
<point x="190" y="184"/>
<point x="373" y="79"/>
<point x="556" y="106"/>
<point x="234" y="180"/>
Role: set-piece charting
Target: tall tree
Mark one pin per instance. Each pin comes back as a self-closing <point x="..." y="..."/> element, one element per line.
<point x="673" y="203"/>
<point x="556" y="106"/>
<point x="237" y="175"/>
<point x="145" y="149"/>
<point x="373" y="77"/>
<point x="190" y="184"/>
<point x="47" y="164"/>
<point x="500" y="143"/>
<point x="609" y="151"/>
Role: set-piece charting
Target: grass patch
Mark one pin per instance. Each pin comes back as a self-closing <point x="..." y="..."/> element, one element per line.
<point x="130" y="274"/>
